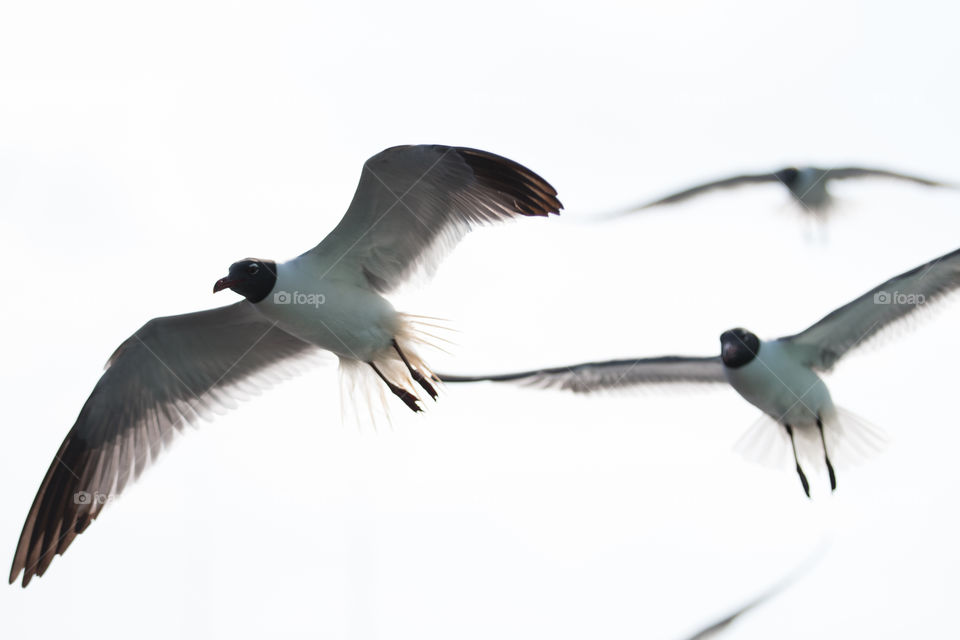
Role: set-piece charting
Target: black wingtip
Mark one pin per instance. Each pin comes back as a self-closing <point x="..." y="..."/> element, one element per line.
<point x="531" y="194"/>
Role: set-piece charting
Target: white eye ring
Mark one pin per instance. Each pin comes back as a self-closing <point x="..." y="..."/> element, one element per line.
<point x="253" y="269"/>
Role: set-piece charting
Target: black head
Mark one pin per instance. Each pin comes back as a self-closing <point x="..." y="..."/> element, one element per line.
<point x="787" y="176"/>
<point x="251" y="278"/>
<point x="738" y="347"/>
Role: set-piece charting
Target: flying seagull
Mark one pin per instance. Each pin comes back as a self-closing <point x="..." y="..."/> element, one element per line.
<point x="723" y="625"/>
<point x="778" y="376"/>
<point x="807" y="185"/>
<point x="412" y="204"/>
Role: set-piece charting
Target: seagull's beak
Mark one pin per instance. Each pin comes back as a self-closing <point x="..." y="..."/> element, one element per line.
<point x="225" y="283"/>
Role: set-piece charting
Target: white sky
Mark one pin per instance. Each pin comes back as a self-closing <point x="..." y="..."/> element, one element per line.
<point x="142" y="150"/>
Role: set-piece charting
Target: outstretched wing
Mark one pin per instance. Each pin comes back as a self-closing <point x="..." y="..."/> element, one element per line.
<point x="614" y="374"/>
<point x="842" y="173"/>
<point x="170" y="372"/>
<point x="726" y="183"/>
<point x="414" y="203"/>
<point x="824" y="343"/>
<point x="718" y="627"/>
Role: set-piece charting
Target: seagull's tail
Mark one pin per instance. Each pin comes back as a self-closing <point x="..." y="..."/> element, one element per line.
<point x="854" y="438"/>
<point x="425" y="331"/>
<point x="851" y="440"/>
<point x="365" y="399"/>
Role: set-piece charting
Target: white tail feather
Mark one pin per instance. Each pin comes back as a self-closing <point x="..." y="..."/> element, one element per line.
<point x="766" y="443"/>
<point x="850" y="441"/>
<point x="412" y="326"/>
<point x="364" y="398"/>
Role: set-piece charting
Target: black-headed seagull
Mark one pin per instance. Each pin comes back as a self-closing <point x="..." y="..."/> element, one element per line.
<point x="807" y="185"/>
<point x="412" y="204"/>
<point x="778" y="376"/>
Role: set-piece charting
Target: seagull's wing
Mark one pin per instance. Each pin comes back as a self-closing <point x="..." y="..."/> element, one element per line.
<point x="414" y="203"/>
<point x="170" y="372"/>
<point x="824" y="343"/>
<point x="842" y="173"/>
<point x="726" y="183"/>
<point x="717" y="628"/>
<point x="614" y="374"/>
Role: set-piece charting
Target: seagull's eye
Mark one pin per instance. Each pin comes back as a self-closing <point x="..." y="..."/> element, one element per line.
<point x="253" y="269"/>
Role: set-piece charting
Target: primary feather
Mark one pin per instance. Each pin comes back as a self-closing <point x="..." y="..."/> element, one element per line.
<point x="415" y="203"/>
<point x="172" y="371"/>
<point x="825" y="342"/>
<point x="612" y="374"/>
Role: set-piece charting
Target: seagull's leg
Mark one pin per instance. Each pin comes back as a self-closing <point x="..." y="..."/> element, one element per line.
<point x="417" y="376"/>
<point x="408" y="398"/>
<point x="826" y="456"/>
<point x="803" y="478"/>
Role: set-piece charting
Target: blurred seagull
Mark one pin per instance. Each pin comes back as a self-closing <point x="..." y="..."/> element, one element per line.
<point x="719" y="627"/>
<point x="412" y="204"/>
<point x="807" y="185"/>
<point x="723" y="625"/>
<point x="777" y="376"/>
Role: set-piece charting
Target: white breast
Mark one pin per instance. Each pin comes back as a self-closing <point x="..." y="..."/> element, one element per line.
<point x="350" y="320"/>
<point x="781" y="387"/>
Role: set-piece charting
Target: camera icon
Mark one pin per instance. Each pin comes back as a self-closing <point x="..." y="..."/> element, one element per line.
<point x="281" y="297"/>
<point x="881" y="297"/>
<point x="82" y="497"/>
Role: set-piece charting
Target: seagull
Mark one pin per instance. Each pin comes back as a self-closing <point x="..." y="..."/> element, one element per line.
<point x="807" y="185"/>
<point x="719" y="627"/>
<point x="723" y="625"/>
<point x="779" y="376"/>
<point x="412" y="204"/>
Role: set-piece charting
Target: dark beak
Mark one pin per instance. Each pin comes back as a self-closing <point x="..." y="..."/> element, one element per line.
<point x="225" y="283"/>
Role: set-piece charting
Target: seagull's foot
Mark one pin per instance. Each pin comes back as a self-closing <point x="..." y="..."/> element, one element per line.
<point x="408" y="398"/>
<point x="833" y="476"/>
<point x="826" y="456"/>
<point x="418" y="377"/>
<point x="423" y="382"/>
<point x="803" y="480"/>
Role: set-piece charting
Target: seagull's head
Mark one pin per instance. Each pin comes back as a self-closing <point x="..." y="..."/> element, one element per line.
<point x="788" y="175"/>
<point x="252" y="278"/>
<point x="738" y="347"/>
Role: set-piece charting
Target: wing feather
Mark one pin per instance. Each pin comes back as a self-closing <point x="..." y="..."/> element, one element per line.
<point x="172" y="371"/>
<point x="725" y="183"/>
<point x="414" y="203"/>
<point x="842" y="173"/>
<point x="613" y="374"/>
<point x="824" y="343"/>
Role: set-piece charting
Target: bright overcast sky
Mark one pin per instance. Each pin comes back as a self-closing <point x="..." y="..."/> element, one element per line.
<point x="142" y="150"/>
